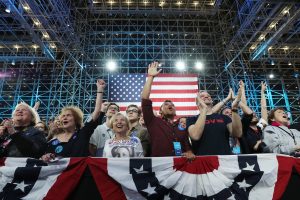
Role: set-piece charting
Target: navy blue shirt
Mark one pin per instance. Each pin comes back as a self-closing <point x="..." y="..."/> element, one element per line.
<point x="215" y="137"/>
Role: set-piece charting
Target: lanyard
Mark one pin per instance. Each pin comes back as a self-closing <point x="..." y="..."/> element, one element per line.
<point x="290" y="134"/>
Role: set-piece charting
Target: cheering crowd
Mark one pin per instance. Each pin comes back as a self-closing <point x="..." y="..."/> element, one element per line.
<point x="217" y="130"/>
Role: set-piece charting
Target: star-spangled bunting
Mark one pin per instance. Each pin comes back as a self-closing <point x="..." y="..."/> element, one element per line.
<point x="261" y="176"/>
<point x="23" y="180"/>
<point x="208" y="177"/>
<point x="149" y="186"/>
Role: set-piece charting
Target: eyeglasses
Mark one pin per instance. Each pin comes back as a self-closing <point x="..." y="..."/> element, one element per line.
<point x="134" y="110"/>
<point x="113" y="108"/>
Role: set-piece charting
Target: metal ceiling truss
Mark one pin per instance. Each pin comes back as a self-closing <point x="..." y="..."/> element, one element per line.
<point x="74" y="40"/>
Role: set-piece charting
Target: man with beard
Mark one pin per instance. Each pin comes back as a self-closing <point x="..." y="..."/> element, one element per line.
<point x="166" y="138"/>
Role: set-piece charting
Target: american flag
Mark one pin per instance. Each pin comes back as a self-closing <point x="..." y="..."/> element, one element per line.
<point x="125" y="89"/>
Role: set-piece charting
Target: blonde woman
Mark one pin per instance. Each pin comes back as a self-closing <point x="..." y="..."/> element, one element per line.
<point x="122" y="145"/>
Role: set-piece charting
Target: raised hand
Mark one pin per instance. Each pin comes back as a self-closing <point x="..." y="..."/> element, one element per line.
<point x="104" y="106"/>
<point x="241" y="84"/>
<point x="230" y="95"/>
<point x="201" y="103"/>
<point x="153" y="69"/>
<point x="100" y="85"/>
<point x="36" y="105"/>
<point x="9" y="125"/>
<point x="237" y="99"/>
<point x="2" y="130"/>
<point x="263" y="86"/>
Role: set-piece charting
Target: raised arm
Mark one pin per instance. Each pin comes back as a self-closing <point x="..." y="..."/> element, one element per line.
<point x="222" y="103"/>
<point x="152" y="72"/>
<point x="36" y="105"/>
<point x="243" y="103"/>
<point x="263" y="102"/>
<point x="196" y="130"/>
<point x="235" y="127"/>
<point x="100" y="88"/>
<point x="35" y="109"/>
<point x="243" y="97"/>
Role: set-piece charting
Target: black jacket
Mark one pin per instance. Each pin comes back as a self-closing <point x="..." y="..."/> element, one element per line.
<point x="30" y="142"/>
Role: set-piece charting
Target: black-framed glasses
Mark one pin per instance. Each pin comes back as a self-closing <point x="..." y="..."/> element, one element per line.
<point x="133" y="110"/>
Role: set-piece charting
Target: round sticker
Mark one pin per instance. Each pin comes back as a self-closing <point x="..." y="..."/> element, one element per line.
<point x="180" y="127"/>
<point x="58" y="149"/>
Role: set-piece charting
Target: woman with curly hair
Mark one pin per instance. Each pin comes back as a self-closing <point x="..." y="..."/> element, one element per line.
<point x="74" y="140"/>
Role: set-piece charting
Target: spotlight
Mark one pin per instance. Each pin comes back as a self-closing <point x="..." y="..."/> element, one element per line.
<point x="32" y="62"/>
<point x="13" y="62"/>
<point x="180" y="65"/>
<point x="199" y="65"/>
<point x="272" y="62"/>
<point x="289" y="63"/>
<point x="271" y="75"/>
<point x="111" y="65"/>
<point x="7" y="9"/>
<point x="296" y="74"/>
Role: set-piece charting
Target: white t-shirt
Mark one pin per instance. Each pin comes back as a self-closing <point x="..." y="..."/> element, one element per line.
<point x="99" y="137"/>
<point x="123" y="148"/>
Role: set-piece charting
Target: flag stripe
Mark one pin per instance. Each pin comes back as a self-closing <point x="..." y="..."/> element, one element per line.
<point x="177" y="75"/>
<point x="190" y="108"/>
<point x="175" y="83"/>
<point x="185" y="100"/>
<point x="2" y="162"/>
<point x="158" y="104"/>
<point x="177" y="108"/>
<point x="186" y="88"/>
<point x="174" y="79"/>
<point x="108" y="187"/>
<point x="67" y="181"/>
<point x="177" y="91"/>
<point x="285" y="165"/>
<point x="172" y="95"/>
